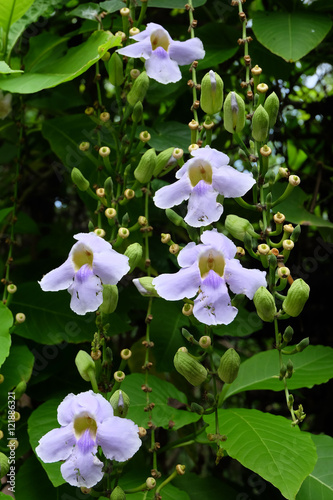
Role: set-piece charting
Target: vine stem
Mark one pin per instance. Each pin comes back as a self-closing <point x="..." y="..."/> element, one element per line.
<point x="194" y="73"/>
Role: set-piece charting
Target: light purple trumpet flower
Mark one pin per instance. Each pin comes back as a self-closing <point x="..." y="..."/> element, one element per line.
<point x="201" y="179"/>
<point x="87" y="422"/>
<point x="91" y="263"/>
<point x="206" y="271"/>
<point x="163" y="55"/>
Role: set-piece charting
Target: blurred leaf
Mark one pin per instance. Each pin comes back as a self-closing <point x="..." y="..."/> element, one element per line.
<point x="290" y="35"/>
<point x="17" y="367"/>
<point x="110" y="6"/>
<point x="12" y="10"/>
<point x="6" y="321"/>
<point x="243" y="325"/>
<point x="26" y="486"/>
<point x="5" y="69"/>
<point x="86" y="11"/>
<point x="268" y="445"/>
<point x="25" y="224"/>
<point x="296" y="157"/>
<point x="4" y="212"/>
<point x="220" y="43"/>
<point x="168" y="134"/>
<point x="174" y="4"/>
<point x="200" y="488"/>
<point x="169" y="492"/>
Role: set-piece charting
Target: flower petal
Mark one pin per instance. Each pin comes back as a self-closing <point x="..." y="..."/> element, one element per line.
<point x="231" y="183"/>
<point x="139" y="49"/>
<point x="202" y="208"/>
<point x="186" y="52"/>
<point x="219" y="242"/>
<point x="110" y="266"/>
<point x="213" y="304"/>
<point x="151" y="27"/>
<point x="56" y="445"/>
<point x="58" y="279"/>
<point x="184" y="283"/>
<point x="189" y="254"/>
<point x="174" y="194"/>
<point x="161" y="68"/>
<point x="86" y="291"/>
<point x="82" y="469"/>
<point x="211" y="155"/>
<point x="84" y="402"/>
<point x="94" y="242"/>
<point x="118" y="438"/>
<point x="242" y="280"/>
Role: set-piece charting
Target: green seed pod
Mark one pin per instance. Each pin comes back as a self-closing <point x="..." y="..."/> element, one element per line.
<point x="85" y="365"/>
<point x="260" y="124"/>
<point x="139" y="89"/>
<point x="4" y="465"/>
<point x="272" y="108"/>
<point x="297" y="295"/>
<point x="189" y="367"/>
<point x="110" y="299"/>
<point x="108" y="187"/>
<point x="238" y="227"/>
<point x="120" y="403"/>
<point x="144" y="171"/>
<point x="163" y="160"/>
<point x="116" y="71"/>
<point x="211" y="99"/>
<point x="79" y="180"/>
<point x="117" y="494"/>
<point x="265" y="304"/>
<point x="145" y="286"/>
<point x="134" y="254"/>
<point x="229" y="366"/>
<point x="137" y="112"/>
<point x="176" y="219"/>
<point x="234" y="113"/>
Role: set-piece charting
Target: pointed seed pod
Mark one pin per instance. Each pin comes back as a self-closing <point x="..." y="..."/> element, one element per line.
<point x="110" y="299"/>
<point x="116" y="71"/>
<point x="144" y="171"/>
<point x="272" y="108"/>
<point x="189" y="367"/>
<point x="265" y="304"/>
<point x="137" y="112"/>
<point x="238" y="227"/>
<point x="117" y="494"/>
<point x="163" y="160"/>
<point x="134" y="254"/>
<point x="229" y="366"/>
<point x="139" y="89"/>
<point x="79" y="180"/>
<point x="211" y="99"/>
<point x="296" y="298"/>
<point x="234" y="113"/>
<point x="85" y="365"/>
<point x="260" y="124"/>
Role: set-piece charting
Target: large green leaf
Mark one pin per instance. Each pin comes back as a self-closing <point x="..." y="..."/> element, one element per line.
<point x="56" y="71"/>
<point x="162" y="392"/>
<point x="17" y="367"/>
<point x="167" y="135"/>
<point x="290" y="35"/>
<point x="268" y="445"/>
<point x="219" y="43"/>
<point x="12" y="10"/>
<point x="319" y="484"/>
<point x="6" y="321"/>
<point x="5" y="69"/>
<point x="169" y="492"/>
<point x="312" y="366"/>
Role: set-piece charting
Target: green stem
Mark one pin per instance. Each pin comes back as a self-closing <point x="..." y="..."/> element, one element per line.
<point x="142" y="14"/>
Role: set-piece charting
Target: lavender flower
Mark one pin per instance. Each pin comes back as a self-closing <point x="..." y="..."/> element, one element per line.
<point x="206" y="271"/>
<point x="87" y="422"/>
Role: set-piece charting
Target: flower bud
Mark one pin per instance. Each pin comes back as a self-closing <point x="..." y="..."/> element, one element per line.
<point x="205" y="342"/>
<point x="294" y="180"/>
<point x="134" y="254"/>
<point x="178" y="153"/>
<point x="104" y="151"/>
<point x="85" y="365"/>
<point x="125" y="354"/>
<point x="119" y="376"/>
<point x="288" y="334"/>
<point x="238" y="227"/>
<point x="234" y="113"/>
<point x="296" y="233"/>
<point x="110" y="213"/>
<point x="104" y="117"/>
<point x="79" y="180"/>
<point x="134" y="73"/>
<point x="150" y="483"/>
<point x="134" y="31"/>
<point x="123" y="233"/>
<point x="296" y="298"/>
<point x="283" y="272"/>
<point x="117" y="494"/>
<point x="120" y="403"/>
<point x="265" y="304"/>
<point x="11" y="288"/>
<point x="187" y="309"/>
<point x="116" y="72"/>
<point x="4" y="465"/>
<point x="163" y="160"/>
<point x="20" y="389"/>
<point x="211" y="99"/>
<point x="145" y="286"/>
<point x="302" y="344"/>
<point x="189" y="367"/>
<point x="180" y="469"/>
<point x="110" y="299"/>
<point x="84" y="146"/>
<point x="260" y="124"/>
<point x="142" y="432"/>
<point x="144" y="171"/>
<point x="288" y="245"/>
<point x="137" y="112"/>
<point x="229" y="366"/>
<point x="139" y="89"/>
<point x="272" y="108"/>
<point x="100" y="232"/>
<point x="144" y="136"/>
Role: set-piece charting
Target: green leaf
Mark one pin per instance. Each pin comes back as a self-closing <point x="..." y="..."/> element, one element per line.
<point x="219" y="44"/>
<point x="54" y="72"/>
<point x="167" y="135"/>
<point x="319" y="484"/>
<point x="268" y="445"/>
<point x="115" y="5"/>
<point x="12" y="10"/>
<point x="26" y="486"/>
<point x="244" y="324"/>
<point x="86" y="11"/>
<point x="205" y="488"/>
<point x="296" y="157"/>
<point x="290" y="35"/>
<point x="6" y="321"/>
<point x="162" y="413"/>
<point x="17" y="367"/>
<point x="5" y="69"/>
<point x="169" y="492"/>
<point x="4" y="212"/>
<point x="5" y="497"/>
<point x="312" y="366"/>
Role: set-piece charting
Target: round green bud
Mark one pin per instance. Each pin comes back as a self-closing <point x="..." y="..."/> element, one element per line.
<point x="238" y="227"/>
<point x="163" y="160"/>
<point x="144" y="171"/>
<point x="116" y="72"/>
<point x="211" y="99"/>
<point x="134" y="254"/>
<point x="229" y="366"/>
<point x="260" y="124"/>
<point x="189" y="367"/>
<point x="120" y="403"/>
<point x="145" y="286"/>
<point x="117" y="494"/>
<point x="288" y="334"/>
<point x="272" y="108"/>
<point x="85" y="365"/>
<point x="139" y="89"/>
<point x="265" y="304"/>
<point x="137" y="112"/>
<point x="110" y="299"/>
<point x="234" y="113"/>
<point x="296" y="298"/>
<point x="79" y="180"/>
<point x="4" y="465"/>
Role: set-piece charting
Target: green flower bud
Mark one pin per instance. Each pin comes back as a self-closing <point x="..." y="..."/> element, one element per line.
<point x="189" y="367"/>
<point x="162" y="160"/>
<point x="197" y="408"/>
<point x="4" y="465"/>
<point x="110" y="299"/>
<point x="303" y="344"/>
<point x="288" y="334"/>
<point x="120" y="403"/>
<point x="20" y="389"/>
<point x="272" y="108"/>
<point x="116" y="72"/>
<point x="144" y="171"/>
<point x="260" y="124"/>
<point x="79" y="180"/>
<point x="265" y="304"/>
<point x="108" y="187"/>
<point x="145" y="286"/>
<point x="296" y="233"/>
<point x="117" y="494"/>
<point x="134" y="254"/>
<point x="229" y="366"/>
<point x="176" y="219"/>
<point x="139" y="89"/>
<point x="238" y="227"/>
<point x="137" y="112"/>
<point x="297" y="295"/>
<point x="211" y="99"/>
<point x="85" y="365"/>
<point x="234" y="113"/>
